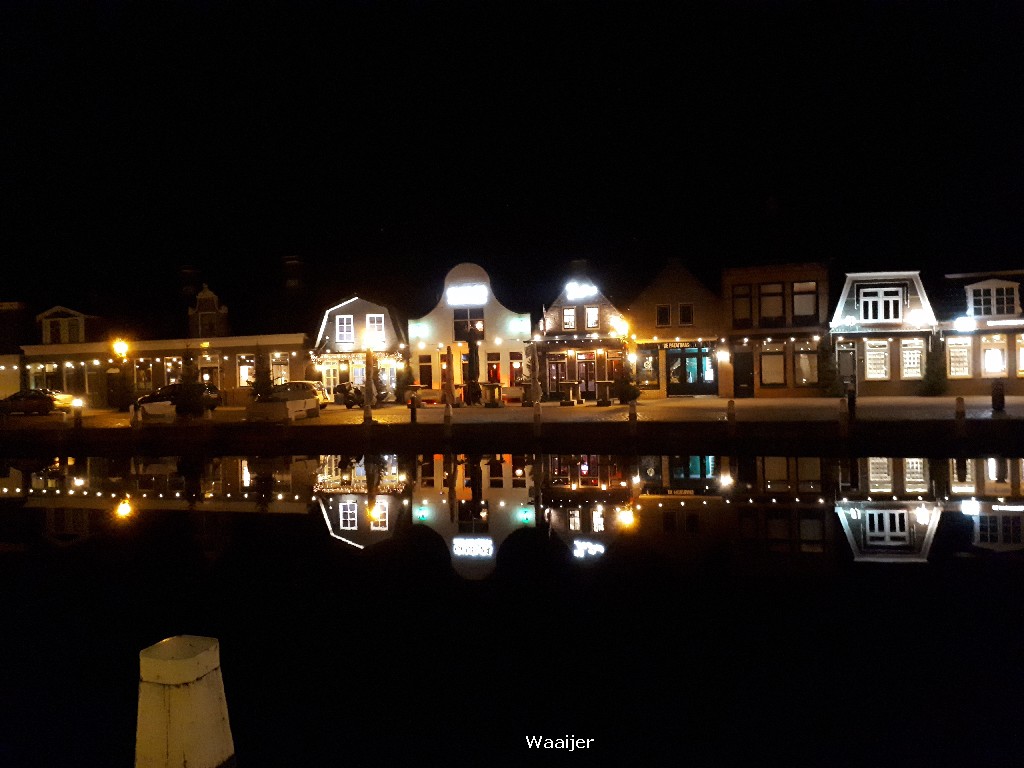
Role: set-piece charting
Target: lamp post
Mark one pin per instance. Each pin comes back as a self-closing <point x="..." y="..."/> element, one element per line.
<point x="123" y="391"/>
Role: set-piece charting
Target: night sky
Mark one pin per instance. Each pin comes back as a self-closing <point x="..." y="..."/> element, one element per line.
<point x="382" y="143"/>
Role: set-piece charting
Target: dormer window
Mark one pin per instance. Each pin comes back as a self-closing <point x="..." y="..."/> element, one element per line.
<point x="881" y="304"/>
<point x="993" y="300"/>
<point x="344" y="329"/>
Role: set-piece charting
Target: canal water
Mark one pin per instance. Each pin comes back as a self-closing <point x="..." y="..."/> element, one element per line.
<point x="410" y="609"/>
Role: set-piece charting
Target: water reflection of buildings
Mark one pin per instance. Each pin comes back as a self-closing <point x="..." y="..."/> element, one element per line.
<point x="83" y="496"/>
<point x="890" y="509"/>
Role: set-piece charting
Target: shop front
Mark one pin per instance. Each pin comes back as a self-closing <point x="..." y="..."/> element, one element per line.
<point x="691" y="370"/>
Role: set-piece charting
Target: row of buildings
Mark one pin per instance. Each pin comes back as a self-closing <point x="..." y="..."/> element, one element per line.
<point x="768" y="331"/>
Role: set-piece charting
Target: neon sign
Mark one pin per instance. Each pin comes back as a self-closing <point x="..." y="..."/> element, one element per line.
<point x="575" y="291"/>
<point x="470" y="295"/>
<point x="466" y="547"/>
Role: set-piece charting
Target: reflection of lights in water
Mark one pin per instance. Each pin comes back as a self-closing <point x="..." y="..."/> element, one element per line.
<point x="624" y="516"/>
<point x="583" y="548"/>
<point x="124" y="509"/>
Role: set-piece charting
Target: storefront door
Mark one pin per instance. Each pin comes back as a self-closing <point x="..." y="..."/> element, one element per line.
<point x="588" y="376"/>
<point x="691" y="371"/>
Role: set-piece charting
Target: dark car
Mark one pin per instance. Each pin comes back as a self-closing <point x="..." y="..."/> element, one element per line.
<point x="28" y="401"/>
<point x="173" y="393"/>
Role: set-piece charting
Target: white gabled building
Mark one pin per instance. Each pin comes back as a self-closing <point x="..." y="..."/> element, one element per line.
<point x="883" y="332"/>
<point x="469" y="313"/>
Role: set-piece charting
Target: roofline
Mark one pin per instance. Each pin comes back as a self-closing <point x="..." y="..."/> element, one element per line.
<point x="961" y="275"/>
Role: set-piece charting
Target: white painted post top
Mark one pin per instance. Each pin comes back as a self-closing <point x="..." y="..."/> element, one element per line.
<point x="179" y="660"/>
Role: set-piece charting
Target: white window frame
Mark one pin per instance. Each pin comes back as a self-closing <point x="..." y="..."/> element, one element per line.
<point x="348" y="515"/>
<point x="592" y="317"/>
<point x="877" y="360"/>
<point x="568" y="318"/>
<point x="997" y="344"/>
<point x="876" y="303"/>
<point x="879" y="474"/>
<point x="375" y="329"/>
<point x="887" y="527"/>
<point x="597" y="521"/>
<point x="984" y="299"/>
<point x="574" y="520"/>
<point x="343" y="335"/>
<point x="915" y="475"/>
<point x="912" y="358"/>
<point x="380" y="521"/>
<point x="959" y="351"/>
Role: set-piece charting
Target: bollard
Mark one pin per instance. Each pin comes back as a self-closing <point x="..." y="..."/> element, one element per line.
<point x="182" y="715"/>
<point x="413" y="405"/>
<point x="998" y="396"/>
<point x="730" y="417"/>
<point x="961" y="418"/>
<point x="632" y="416"/>
<point x="536" y="419"/>
<point x="447" y="420"/>
<point x="844" y="418"/>
<point x="851" y="404"/>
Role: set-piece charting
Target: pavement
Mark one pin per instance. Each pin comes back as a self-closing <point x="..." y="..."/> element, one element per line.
<point x="808" y="409"/>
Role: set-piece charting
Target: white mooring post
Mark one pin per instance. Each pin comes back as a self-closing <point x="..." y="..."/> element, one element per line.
<point x="183" y="715"/>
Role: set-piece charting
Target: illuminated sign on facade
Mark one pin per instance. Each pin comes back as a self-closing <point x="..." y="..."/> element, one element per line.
<point x="469" y="295"/>
<point x="575" y="291"/>
<point x="475" y="547"/>
<point x="587" y="548"/>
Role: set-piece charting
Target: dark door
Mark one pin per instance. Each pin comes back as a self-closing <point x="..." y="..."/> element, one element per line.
<point x="847" y="365"/>
<point x="556" y="375"/>
<point x="587" y="372"/>
<point x="743" y="374"/>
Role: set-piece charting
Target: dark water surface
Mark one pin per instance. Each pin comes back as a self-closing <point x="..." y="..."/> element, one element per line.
<point x="676" y="609"/>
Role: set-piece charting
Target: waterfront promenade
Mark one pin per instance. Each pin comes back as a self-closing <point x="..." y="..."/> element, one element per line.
<point x="879" y="426"/>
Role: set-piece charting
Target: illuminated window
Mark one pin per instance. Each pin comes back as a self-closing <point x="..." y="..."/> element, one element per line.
<point x="344" y="329"/>
<point x="593" y="317"/>
<point x="598" y="521"/>
<point x="806" y="362"/>
<point x="1020" y="355"/>
<point x="993" y="356"/>
<point x="574" y="520"/>
<point x="348" y="512"/>
<point x="379" y="516"/>
<point x="879" y="475"/>
<point x="912" y="359"/>
<point x="773" y="364"/>
<point x="468" y="324"/>
<point x="772" y="313"/>
<point x="375" y="330"/>
<point x="569" y="318"/>
<point x="876" y="360"/>
<point x="997" y="477"/>
<point x="915" y="478"/>
<point x="881" y="304"/>
<point x="958" y="357"/>
<point x="805" y="303"/>
<point x="961" y="474"/>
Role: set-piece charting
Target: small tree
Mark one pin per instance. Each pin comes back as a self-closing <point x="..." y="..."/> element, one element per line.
<point x="190" y="395"/>
<point x="263" y="385"/>
<point x="403" y="380"/>
<point x="624" y="386"/>
<point x="934" y="382"/>
<point x="828" y="372"/>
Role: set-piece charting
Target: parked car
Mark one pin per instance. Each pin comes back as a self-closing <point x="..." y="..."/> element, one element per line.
<point x="28" y="401"/>
<point x="301" y="396"/>
<point x="62" y="401"/>
<point x="321" y="391"/>
<point x="172" y="394"/>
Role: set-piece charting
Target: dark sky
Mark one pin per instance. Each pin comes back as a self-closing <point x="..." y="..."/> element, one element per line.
<point x="383" y="142"/>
